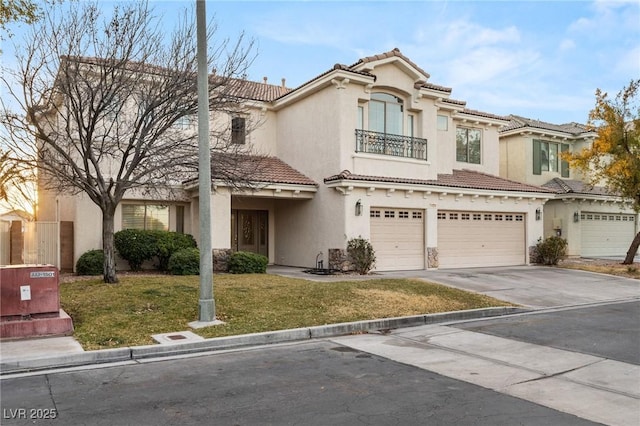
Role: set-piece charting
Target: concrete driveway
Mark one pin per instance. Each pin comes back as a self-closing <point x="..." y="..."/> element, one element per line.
<point x="533" y="286"/>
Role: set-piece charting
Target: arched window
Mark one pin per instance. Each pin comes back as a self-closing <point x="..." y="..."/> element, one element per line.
<point x="385" y="113"/>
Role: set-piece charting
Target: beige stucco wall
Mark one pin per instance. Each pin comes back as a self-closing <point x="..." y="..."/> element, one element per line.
<point x="560" y="213"/>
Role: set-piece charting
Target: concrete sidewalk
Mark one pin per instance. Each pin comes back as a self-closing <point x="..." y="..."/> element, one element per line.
<point x="590" y="387"/>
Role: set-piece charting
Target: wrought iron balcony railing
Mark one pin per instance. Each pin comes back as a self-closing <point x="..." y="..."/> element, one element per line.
<point x="388" y="144"/>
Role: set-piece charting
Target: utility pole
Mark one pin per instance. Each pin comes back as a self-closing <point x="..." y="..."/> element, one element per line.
<point x="206" y="304"/>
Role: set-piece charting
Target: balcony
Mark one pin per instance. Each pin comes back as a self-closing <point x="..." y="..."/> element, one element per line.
<point x="388" y="144"/>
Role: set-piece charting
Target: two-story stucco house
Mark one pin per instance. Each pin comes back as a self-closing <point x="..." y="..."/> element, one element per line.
<point x="371" y="149"/>
<point x="593" y="221"/>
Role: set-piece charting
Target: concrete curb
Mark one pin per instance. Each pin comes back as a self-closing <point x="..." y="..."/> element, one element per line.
<point x="134" y="353"/>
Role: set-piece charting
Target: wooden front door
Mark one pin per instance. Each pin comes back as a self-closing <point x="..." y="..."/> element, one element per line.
<point x="250" y="231"/>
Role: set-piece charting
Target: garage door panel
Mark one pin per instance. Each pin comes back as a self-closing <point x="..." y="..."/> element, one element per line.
<point x="472" y="239"/>
<point x="397" y="236"/>
<point x="606" y="234"/>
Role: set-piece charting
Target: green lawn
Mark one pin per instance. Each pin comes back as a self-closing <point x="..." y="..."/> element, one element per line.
<point x="128" y="313"/>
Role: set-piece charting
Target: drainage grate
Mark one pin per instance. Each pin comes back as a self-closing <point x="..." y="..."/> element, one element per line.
<point x="177" y="337"/>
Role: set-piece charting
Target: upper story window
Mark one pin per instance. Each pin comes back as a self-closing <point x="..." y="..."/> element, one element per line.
<point x="468" y="145"/>
<point x="546" y="158"/>
<point x="443" y="122"/>
<point x="385" y="113"/>
<point x="183" y="123"/>
<point x="238" y="130"/>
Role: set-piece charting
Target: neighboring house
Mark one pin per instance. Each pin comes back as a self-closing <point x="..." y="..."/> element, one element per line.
<point x="370" y="149"/>
<point x="19" y="215"/>
<point x="594" y="221"/>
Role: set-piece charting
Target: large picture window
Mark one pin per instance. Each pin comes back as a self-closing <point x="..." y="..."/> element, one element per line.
<point x="546" y="158"/>
<point x="145" y="216"/>
<point x="468" y="144"/>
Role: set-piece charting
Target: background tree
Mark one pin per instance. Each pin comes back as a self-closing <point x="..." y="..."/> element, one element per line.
<point x="17" y="11"/>
<point x="17" y="183"/>
<point x="614" y="156"/>
<point x="105" y="97"/>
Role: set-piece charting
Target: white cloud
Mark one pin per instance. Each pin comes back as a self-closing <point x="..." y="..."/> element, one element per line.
<point x="567" y="44"/>
<point x="489" y="66"/>
<point x="629" y="62"/>
<point x="470" y="35"/>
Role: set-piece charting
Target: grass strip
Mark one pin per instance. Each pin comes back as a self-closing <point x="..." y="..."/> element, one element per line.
<point x="128" y="313"/>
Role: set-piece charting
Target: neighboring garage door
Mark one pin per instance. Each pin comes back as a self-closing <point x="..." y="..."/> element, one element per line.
<point x="397" y="236"/>
<point x="606" y="234"/>
<point x="476" y="239"/>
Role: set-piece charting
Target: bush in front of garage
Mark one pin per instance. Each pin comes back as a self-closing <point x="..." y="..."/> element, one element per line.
<point x="551" y="250"/>
<point x="361" y="254"/>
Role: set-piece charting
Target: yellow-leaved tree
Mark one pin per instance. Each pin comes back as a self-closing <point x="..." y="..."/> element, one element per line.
<point x="614" y="157"/>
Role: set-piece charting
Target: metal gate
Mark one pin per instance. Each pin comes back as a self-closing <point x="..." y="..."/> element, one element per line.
<point x="5" y="242"/>
<point x="42" y="243"/>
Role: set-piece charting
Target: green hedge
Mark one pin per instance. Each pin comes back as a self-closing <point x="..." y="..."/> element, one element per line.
<point x="168" y="243"/>
<point x="242" y="262"/>
<point x="136" y="246"/>
<point x="90" y="263"/>
<point x="185" y="261"/>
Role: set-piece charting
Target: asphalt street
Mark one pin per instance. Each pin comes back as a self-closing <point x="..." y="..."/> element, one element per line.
<point x="490" y="372"/>
<point x="315" y="383"/>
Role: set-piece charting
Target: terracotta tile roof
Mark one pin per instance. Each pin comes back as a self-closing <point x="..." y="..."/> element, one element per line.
<point x="274" y="170"/>
<point x="484" y="114"/>
<point x="458" y="179"/>
<point x="570" y="186"/>
<point x="390" y="54"/>
<point x="436" y="87"/>
<point x="237" y="169"/>
<point x="256" y="91"/>
<point x="453" y="101"/>
<point x="518" y="122"/>
<point x="261" y="169"/>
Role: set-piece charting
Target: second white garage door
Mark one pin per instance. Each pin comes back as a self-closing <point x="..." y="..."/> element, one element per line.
<point x="606" y="234"/>
<point x="397" y="236"/>
<point x="476" y="239"/>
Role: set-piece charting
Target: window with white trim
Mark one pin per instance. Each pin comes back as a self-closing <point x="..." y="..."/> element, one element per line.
<point x="443" y="122"/>
<point x="468" y="145"/>
<point x="145" y="216"/>
<point x="386" y="113"/>
<point x="546" y="157"/>
<point x="238" y="130"/>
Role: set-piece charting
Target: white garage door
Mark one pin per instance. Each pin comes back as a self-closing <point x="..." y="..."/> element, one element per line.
<point x="397" y="236"/>
<point x="606" y="234"/>
<point x="476" y="239"/>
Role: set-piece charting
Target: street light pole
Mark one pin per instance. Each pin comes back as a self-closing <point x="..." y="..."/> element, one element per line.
<point x="206" y="305"/>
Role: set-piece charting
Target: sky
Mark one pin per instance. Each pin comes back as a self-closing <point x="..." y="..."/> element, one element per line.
<point x="538" y="59"/>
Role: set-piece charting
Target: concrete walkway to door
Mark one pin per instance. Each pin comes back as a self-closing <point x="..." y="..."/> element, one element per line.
<point x="533" y="286"/>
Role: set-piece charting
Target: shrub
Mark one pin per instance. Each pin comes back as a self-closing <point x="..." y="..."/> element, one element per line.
<point x="135" y="246"/>
<point x="551" y="250"/>
<point x="167" y="243"/>
<point x="90" y="263"/>
<point x="242" y="262"/>
<point x="362" y="254"/>
<point x="185" y="261"/>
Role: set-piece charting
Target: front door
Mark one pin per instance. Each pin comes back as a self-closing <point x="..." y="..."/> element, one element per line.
<point x="249" y="231"/>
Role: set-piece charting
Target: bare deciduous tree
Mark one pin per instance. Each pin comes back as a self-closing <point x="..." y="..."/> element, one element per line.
<point x="102" y="101"/>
